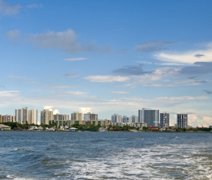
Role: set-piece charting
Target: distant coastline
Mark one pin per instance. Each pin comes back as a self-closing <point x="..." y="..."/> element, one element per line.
<point x="14" y="126"/>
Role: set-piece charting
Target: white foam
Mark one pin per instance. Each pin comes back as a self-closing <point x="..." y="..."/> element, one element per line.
<point x="156" y="162"/>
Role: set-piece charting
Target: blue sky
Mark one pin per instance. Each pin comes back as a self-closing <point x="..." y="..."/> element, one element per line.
<point x="108" y="56"/>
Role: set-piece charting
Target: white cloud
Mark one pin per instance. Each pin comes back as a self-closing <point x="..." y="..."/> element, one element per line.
<point x="155" y="78"/>
<point x="48" y="107"/>
<point x="73" y="59"/>
<point x="51" y="108"/>
<point x="187" y="57"/>
<point x="9" y="98"/>
<point x="200" y="120"/>
<point x="107" y="79"/>
<point x="9" y="9"/>
<point x="76" y="93"/>
<point x="56" y="111"/>
<point x="85" y="109"/>
<point x="7" y="94"/>
<point x="182" y="98"/>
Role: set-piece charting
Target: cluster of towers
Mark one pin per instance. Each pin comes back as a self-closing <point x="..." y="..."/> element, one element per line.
<point x="145" y="118"/>
<point x="151" y="118"/>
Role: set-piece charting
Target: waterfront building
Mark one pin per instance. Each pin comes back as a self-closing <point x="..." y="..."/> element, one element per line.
<point x="105" y="123"/>
<point x="125" y="119"/>
<point x="90" y="117"/>
<point x="0" y="118"/>
<point x="140" y="116"/>
<point x="61" y="120"/>
<point x="21" y="115"/>
<point x="149" y="117"/>
<point x="32" y="116"/>
<point x="26" y="115"/>
<point x="133" y="119"/>
<point x="61" y="117"/>
<point x="46" y="116"/>
<point x="164" y="120"/>
<point x="76" y="116"/>
<point x="8" y="118"/>
<point x="182" y="120"/>
<point x="116" y="119"/>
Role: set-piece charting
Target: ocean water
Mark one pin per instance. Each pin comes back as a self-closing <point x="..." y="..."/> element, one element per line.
<point x="105" y="155"/>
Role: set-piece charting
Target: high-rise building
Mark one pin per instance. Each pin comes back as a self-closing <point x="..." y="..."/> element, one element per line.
<point x="134" y="119"/>
<point x="46" y="116"/>
<point x="21" y="115"/>
<point x="116" y="118"/>
<point x="76" y="116"/>
<point x="125" y="119"/>
<point x="182" y="120"/>
<point x="24" y="116"/>
<point x="32" y="116"/>
<point x="140" y="116"/>
<point x="61" y="120"/>
<point x="90" y="117"/>
<point x="61" y="117"/>
<point x="164" y="120"/>
<point x="149" y="117"/>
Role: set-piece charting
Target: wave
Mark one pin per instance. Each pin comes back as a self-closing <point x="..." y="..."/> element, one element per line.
<point x="157" y="162"/>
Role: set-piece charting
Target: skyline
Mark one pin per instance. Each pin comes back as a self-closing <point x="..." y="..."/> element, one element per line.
<point x="107" y="56"/>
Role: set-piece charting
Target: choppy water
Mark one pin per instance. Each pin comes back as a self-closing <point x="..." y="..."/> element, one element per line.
<point x="108" y="155"/>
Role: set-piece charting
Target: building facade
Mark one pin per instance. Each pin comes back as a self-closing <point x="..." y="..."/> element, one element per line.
<point x="164" y="120"/>
<point x="25" y="115"/>
<point x="149" y="117"/>
<point x="90" y="117"/>
<point x="116" y="119"/>
<point x="32" y="116"/>
<point x="134" y="119"/>
<point x="46" y="116"/>
<point x="21" y="115"/>
<point x="182" y="120"/>
<point x="76" y="116"/>
<point x="7" y="118"/>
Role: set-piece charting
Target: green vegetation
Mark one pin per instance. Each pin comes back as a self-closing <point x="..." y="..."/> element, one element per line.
<point x="17" y="126"/>
<point x="86" y="127"/>
<point x="120" y="128"/>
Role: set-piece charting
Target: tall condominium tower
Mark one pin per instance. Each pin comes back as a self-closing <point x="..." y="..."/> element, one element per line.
<point x="76" y="116"/>
<point x="182" y="120"/>
<point x="116" y="118"/>
<point x="90" y="117"/>
<point x="61" y="117"/>
<point x="149" y="117"/>
<point x="32" y="116"/>
<point x="24" y="116"/>
<point x="21" y="115"/>
<point x="164" y="120"/>
<point x="46" y="116"/>
<point x="134" y="119"/>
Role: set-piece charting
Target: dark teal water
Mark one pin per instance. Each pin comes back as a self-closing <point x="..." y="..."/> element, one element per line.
<point x="105" y="155"/>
